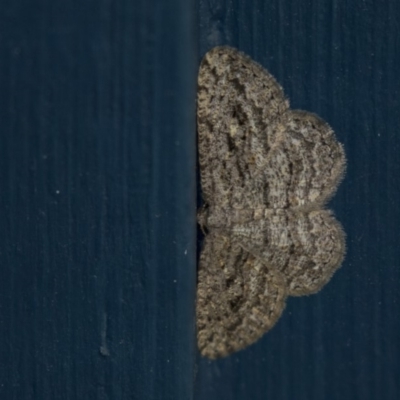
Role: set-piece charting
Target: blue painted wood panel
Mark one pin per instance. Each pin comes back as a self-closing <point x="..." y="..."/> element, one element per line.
<point x="340" y="60"/>
<point x="98" y="199"/>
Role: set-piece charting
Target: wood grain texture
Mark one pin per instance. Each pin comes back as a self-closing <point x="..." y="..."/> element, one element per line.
<point x="96" y="260"/>
<point x="97" y="203"/>
<point x="338" y="60"/>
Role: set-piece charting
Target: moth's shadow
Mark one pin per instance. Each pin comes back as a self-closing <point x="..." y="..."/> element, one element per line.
<point x="199" y="204"/>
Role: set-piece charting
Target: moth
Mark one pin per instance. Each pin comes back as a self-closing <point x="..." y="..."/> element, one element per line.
<point x="266" y="172"/>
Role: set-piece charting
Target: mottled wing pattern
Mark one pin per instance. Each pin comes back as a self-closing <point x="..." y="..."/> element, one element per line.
<point x="306" y="247"/>
<point x="237" y="102"/>
<point x="306" y="163"/>
<point x="238" y="297"/>
<point x="266" y="173"/>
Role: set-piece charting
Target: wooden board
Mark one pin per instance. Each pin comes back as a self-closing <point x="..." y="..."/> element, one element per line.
<point x="98" y="200"/>
<point x="340" y="60"/>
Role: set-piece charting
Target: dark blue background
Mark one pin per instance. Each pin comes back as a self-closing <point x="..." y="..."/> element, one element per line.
<point x="339" y="59"/>
<point x="98" y="198"/>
